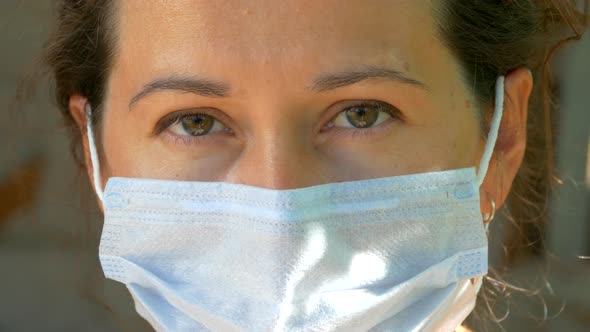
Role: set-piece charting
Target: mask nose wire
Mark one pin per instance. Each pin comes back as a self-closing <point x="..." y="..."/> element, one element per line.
<point x="483" y="165"/>
<point x="93" y="154"/>
<point x="493" y="134"/>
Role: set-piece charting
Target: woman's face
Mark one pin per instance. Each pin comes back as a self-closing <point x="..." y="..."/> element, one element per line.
<point x="284" y="94"/>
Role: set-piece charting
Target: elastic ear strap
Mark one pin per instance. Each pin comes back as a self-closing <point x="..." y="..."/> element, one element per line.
<point x="93" y="153"/>
<point x="493" y="134"/>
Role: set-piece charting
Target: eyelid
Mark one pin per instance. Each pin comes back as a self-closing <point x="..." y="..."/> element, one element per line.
<point x="173" y="117"/>
<point x="386" y="107"/>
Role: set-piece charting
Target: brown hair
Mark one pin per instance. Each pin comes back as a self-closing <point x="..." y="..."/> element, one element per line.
<point x="488" y="37"/>
<point x="78" y="55"/>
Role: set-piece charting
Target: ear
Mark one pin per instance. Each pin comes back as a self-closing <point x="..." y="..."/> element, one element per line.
<point x="77" y="106"/>
<point x="511" y="144"/>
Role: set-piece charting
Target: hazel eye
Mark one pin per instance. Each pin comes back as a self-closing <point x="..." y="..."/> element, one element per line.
<point x="196" y="125"/>
<point x="364" y="115"/>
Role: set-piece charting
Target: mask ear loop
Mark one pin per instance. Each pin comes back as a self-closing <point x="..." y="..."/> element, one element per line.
<point x="93" y="153"/>
<point x="487" y="156"/>
<point x="493" y="134"/>
<point x="490" y="144"/>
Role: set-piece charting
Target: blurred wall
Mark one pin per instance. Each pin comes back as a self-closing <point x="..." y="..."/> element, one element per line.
<point x="50" y="279"/>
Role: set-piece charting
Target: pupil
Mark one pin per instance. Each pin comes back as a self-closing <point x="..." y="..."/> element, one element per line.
<point x="362" y="117"/>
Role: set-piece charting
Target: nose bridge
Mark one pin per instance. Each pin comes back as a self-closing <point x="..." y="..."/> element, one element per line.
<point x="277" y="156"/>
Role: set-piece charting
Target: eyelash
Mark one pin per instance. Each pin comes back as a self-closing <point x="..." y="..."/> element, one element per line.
<point x="175" y="118"/>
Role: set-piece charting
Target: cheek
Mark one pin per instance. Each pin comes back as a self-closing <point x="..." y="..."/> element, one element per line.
<point x="129" y="150"/>
<point x="464" y="132"/>
<point x="414" y="148"/>
<point x="467" y="142"/>
<point x="122" y="151"/>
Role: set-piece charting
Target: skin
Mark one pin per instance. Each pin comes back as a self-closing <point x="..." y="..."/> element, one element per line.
<point x="270" y="52"/>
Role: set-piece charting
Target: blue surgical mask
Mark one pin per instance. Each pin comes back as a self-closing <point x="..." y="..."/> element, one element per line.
<point x="387" y="254"/>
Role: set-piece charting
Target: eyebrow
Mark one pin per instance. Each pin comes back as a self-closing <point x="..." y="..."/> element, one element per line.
<point x="332" y="81"/>
<point x="195" y="85"/>
<point x="216" y="89"/>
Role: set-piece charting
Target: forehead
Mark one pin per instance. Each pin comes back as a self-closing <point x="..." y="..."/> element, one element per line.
<point x="290" y="38"/>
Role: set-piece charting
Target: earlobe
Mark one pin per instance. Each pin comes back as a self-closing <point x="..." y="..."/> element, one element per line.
<point x="511" y="144"/>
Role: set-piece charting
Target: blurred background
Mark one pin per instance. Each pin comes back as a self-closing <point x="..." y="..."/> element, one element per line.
<point x="50" y="278"/>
